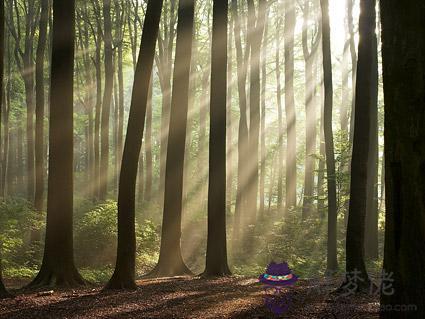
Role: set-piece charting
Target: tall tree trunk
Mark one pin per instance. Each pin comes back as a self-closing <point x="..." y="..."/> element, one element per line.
<point x="372" y="212"/>
<point x="39" y="107"/>
<point x="124" y="274"/>
<point x="403" y="50"/>
<point x="255" y="37"/>
<point x="322" y="152"/>
<point x="98" y="110"/>
<point x="263" y="115"/>
<point x="332" y="263"/>
<point x="243" y="125"/>
<point x="279" y="117"/>
<point x="353" y="54"/>
<point x="58" y="261"/>
<point x="3" y="292"/>
<point x="107" y="100"/>
<point x="165" y="70"/>
<point x="216" y="255"/>
<point x="170" y="261"/>
<point x="365" y="102"/>
<point x="311" y="120"/>
<point x="291" y="150"/>
<point x="29" y="98"/>
<point x="5" y="118"/>
<point x="229" y="116"/>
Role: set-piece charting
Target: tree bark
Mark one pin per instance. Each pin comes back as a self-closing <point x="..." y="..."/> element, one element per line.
<point x="332" y="263"/>
<point x="3" y="292"/>
<point x="372" y="212"/>
<point x="291" y="149"/>
<point x="58" y="268"/>
<point x="124" y="274"/>
<point x="216" y="256"/>
<point x="403" y="51"/>
<point x="243" y="125"/>
<point x="360" y="174"/>
<point x="39" y="107"/>
<point x="311" y="120"/>
<point x="263" y="115"/>
<point x="279" y="116"/>
<point x="170" y="261"/>
<point x="107" y="100"/>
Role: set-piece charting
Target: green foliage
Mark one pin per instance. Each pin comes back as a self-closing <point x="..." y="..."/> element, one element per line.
<point x="96" y="240"/>
<point x="300" y="243"/>
<point x="96" y="235"/>
<point x="17" y="221"/>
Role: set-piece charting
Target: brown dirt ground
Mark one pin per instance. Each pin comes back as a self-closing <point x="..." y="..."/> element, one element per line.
<point x="189" y="298"/>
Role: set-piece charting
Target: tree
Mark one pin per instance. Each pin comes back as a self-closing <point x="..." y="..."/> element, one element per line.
<point x="3" y="292"/>
<point x="279" y="111"/>
<point x="403" y="51"/>
<point x="23" y="34"/>
<point x="255" y="31"/>
<point x="291" y="149"/>
<point x="58" y="266"/>
<point x="107" y="100"/>
<point x="332" y="263"/>
<point x="310" y="108"/>
<point x="124" y="274"/>
<point x="39" y="107"/>
<point x="353" y="54"/>
<point x="263" y="114"/>
<point x="170" y="261"/>
<point x="366" y="101"/>
<point x="216" y="258"/>
<point x="372" y="206"/>
<point x="240" y="205"/>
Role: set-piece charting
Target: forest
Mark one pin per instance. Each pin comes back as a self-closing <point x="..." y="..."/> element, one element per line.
<point x="212" y="159"/>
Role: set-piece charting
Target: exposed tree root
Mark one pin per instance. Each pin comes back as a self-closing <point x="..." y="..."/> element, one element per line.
<point x="121" y="282"/>
<point x="50" y="278"/>
<point x="162" y="270"/>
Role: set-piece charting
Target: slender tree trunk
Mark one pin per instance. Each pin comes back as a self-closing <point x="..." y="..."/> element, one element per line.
<point x="3" y="292"/>
<point x="124" y="274"/>
<point x="107" y="100"/>
<point x="170" y="261"/>
<point x="365" y="102"/>
<point x="255" y="37"/>
<point x="310" y="107"/>
<point x="229" y="116"/>
<point x="216" y="256"/>
<point x="322" y="152"/>
<point x="263" y="115"/>
<point x="353" y="54"/>
<point x="29" y="97"/>
<point x="98" y="108"/>
<point x="332" y="263"/>
<point x="243" y="126"/>
<point x="279" y="117"/>
<point x="165" y="68"/>
<point x="39" y="107"/>
<point x="372" y="212"/>
<point x="291" y="150"/>
<point x="58" y="261"/>
<point x="403" y="51"/>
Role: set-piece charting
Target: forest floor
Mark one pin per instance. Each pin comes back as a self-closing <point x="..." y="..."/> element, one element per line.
<point x="190" y="298"/>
